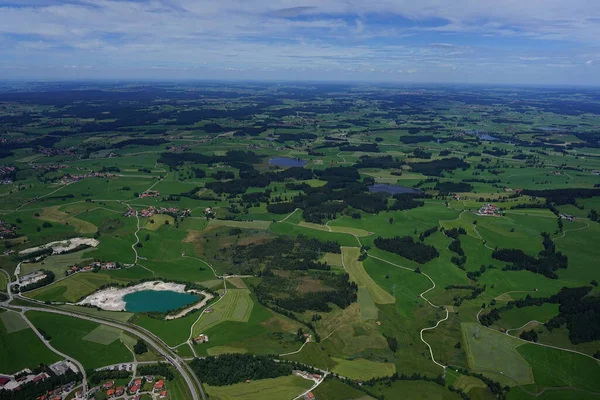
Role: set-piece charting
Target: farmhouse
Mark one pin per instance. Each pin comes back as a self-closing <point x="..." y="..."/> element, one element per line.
<point x="202" y="338"/>
<point x="159" y="385"/>
<point x="150" y="193"/>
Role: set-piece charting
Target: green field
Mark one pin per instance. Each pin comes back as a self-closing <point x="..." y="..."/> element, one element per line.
<point x="418" y="390"/>
<point x="287" y="387"/>
<point x="74" y="288"/>
<point x="13" y="322"/>
<point x="236" y="305"/>
<point x="333" y="389"/>
<point x="69" y="335"/>
<point x="103" y="334"/>
<point x="22" y="349"/>
<point x="240" y="224"/>
<point x="363" y="369"/>
<point x="359" y="275"/>
<point x="492" y="352"/>
<point x="555" y="368"/>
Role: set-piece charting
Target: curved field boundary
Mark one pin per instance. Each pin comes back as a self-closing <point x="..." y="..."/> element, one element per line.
<point x="358" y="274"/>
<point x="430" y="303"/>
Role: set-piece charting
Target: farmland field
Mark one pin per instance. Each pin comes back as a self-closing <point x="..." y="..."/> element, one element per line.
<point x="22" y="349"/>
<point x="427" y="231"/>
<point x="69" y="335"/>
<point x="363" y="369"/>
<point x="278" y="388"/>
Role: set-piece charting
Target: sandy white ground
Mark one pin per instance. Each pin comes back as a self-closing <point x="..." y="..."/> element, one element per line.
<point x="63" y="245"/>
<point x="111" y="299"/>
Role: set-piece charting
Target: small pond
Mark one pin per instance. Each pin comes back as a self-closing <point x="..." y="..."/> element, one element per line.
<point x="287" y="162"/>
<point x="392" y="189"/>
<point x="157" y="300"/>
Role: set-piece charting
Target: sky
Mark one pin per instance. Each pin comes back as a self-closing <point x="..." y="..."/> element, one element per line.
<point x="413" y="41"/>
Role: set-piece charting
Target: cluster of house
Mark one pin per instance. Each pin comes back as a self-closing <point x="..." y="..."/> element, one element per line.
<point x="178" y="149"/>
<point x="7" y="230"/>
<point x="56" y="152"/>
<point x="92" y="266"/>
<point x="48" y="167"/>
<point x="150" y="211"/>
<point x="489" y="210"/>
<point x="14" y="382"/>
<point x="150" y="193"/>
<point x="209" y="212"/>
<point x="74" y="178"/>
<point x="202" y="338"/>
<point x="568" y="217"/>
<point x="134" y="389"/>
<point x="5" y="172"/>
<point x="32" y="277"/>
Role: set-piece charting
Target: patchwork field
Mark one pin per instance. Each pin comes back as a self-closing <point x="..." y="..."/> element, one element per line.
<point x="53" y="214"/>
<point x="70" y="336"/>
<point x="493" y="352"/>
<point x="22" y="349"/>
<point x="236" y="305"/>
<point x="359" y="275"/>
<point x="13" y="322"/>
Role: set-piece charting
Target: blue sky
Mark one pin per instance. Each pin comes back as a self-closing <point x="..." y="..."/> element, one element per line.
<point x="471" y="41"/>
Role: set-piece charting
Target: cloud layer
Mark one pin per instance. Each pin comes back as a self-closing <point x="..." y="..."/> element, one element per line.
<point x="517" y="41"/>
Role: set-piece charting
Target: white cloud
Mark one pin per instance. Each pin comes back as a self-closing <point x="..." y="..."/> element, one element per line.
<point x="318" y="35"/>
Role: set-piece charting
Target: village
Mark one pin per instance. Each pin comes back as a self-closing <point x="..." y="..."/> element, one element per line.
<point x="96" y="265"/>
<point x="150" y="211"/>
<point x="489" y="210"/>
<point x="150" y="193"/>
<point x="75" y="178"/>
<point x="7" y="230"/>
<point x="148" y="384"/>
<point x="16" y="381"/>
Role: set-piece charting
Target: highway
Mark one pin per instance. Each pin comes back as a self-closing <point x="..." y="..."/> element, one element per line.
<point x="194" y="385"/>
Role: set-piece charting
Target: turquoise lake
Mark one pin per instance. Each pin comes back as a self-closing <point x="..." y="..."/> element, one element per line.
<point x="157" y="300"/>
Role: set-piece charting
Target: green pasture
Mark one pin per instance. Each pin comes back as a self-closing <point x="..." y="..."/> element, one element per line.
<point x="491" y="352"/>
<point x="556" y="368"/>
<point x="236" y="305"/>
<point x="358" y="274"/>
<point x="13" y="322"/>
<point x="333" y="389"/>
<point x="362" y="369"/>
<point x="74" y="288"/>
<point x="285" y="387"/>
<point x="22" y="348"/>
<point x="417" y="390"/>
<point x="68" y="335"/>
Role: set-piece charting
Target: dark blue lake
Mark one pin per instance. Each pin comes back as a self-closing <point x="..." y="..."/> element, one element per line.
<point x="287" y="162"/>
<point x="157" y="300"/>
<point x="550" y="129"/>
<point x="392" y="189"/>
<point x="485" y="136"/>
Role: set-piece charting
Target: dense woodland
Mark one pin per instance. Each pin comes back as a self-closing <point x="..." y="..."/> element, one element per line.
<point x="228" y="369"/>
<point x="547" y="262"/>
<point x="407" y="248"/>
